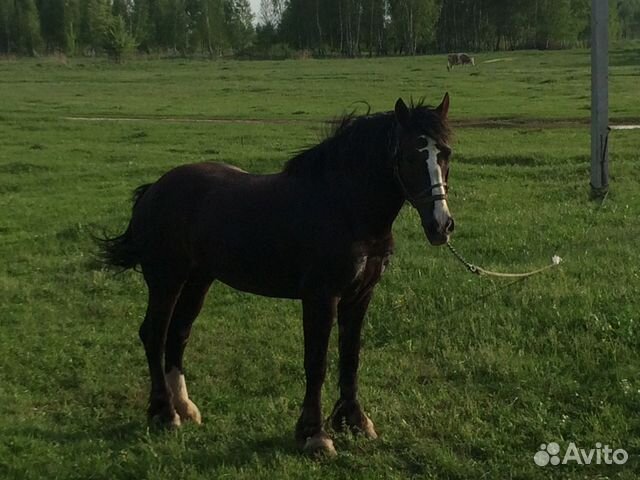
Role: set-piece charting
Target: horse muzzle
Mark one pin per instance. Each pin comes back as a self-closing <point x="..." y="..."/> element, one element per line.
<point x="436" y="234"/>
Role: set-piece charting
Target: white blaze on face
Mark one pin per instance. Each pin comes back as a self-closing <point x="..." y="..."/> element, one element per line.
<point x="440" y="209"/>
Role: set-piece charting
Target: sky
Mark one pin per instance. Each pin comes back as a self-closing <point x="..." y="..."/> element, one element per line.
<point x="255" y="7"/>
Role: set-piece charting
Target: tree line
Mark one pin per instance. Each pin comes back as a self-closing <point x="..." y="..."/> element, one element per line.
<point x="321" y="27"/>
<point x="380" y="27"/>
<point x="116" y="26"/>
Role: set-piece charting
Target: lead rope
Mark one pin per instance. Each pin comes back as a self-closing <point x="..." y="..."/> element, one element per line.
<point x="555" y="261"/>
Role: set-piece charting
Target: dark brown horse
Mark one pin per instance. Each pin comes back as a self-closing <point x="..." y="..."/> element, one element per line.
<point x="319" y="231"/>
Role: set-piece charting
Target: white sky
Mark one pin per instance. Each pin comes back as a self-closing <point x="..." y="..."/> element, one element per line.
<point x="255" y="6"/>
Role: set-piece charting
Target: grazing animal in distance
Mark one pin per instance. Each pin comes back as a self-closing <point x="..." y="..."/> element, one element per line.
<point x="318" y="231"/>
<point x="459" y="59"/>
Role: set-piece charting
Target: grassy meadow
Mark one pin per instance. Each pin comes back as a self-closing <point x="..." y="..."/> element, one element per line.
<point x="463" y="376"/>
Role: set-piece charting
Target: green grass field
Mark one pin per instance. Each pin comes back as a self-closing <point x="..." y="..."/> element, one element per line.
<point x="464" y="376"/>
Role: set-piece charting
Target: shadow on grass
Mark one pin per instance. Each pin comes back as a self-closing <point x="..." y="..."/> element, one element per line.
<point x="197" y="450"/>
<point x="245" y="451"/>
<point x="114" y="435"/>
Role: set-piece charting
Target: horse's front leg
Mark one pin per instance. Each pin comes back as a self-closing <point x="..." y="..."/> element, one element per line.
<point x="347" y="412"/>
<point x="318" y="314"/>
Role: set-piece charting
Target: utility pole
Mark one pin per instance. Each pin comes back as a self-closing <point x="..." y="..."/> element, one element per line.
<point x="599" y="97"/>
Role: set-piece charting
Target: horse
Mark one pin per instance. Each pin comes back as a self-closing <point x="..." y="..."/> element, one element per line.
<point x="459" y="59"/>
<point x="318" y="231"/>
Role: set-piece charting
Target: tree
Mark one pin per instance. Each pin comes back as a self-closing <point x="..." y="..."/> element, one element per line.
<point x="350" y="16"/>
<point x="269" y="19"/>
<point x="52" y="23"/>
<point x="296" y="26"/>
<point x="176" y="23"/>
<point x="28" y="27"/>
<point x="95" y="18"/>
<point x="122" y="8"/>
<point x="414" y="24"/>
<point x="8" y="32"/>
<point x="141" y="24"/>
<point x="239" y="22"/>
<point x="629" y="13"/>
<point x="555" y="25"/>
<point x="270" y="12"/>
<point x="374" y="26"/>
<point x="118" y="40"/>
<point x="346" y="27"/>
<point x="207" y="24"/>
<point x="70" y="25"/>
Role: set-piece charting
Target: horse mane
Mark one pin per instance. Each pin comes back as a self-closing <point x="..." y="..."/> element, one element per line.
<point x="363" y="141"/>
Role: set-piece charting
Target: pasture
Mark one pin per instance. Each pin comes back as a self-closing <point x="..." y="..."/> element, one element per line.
<point x="464" y="376"/>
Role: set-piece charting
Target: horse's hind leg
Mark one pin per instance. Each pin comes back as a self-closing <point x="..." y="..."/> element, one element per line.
<point x="164" y="289"/>
<point x="186" y="310"/>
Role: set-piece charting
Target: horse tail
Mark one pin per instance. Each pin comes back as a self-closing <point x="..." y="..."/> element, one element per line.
<point x="121" y="250"/>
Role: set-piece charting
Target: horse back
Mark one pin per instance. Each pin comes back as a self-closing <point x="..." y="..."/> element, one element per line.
<point x="273" y="235"/>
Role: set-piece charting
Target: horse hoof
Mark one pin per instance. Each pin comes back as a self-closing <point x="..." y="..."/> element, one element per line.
<point x="188" y="411"/>
<point x="319" y="445"/>
<point x="168" y="422"/>
<point x="352" y="418"/>
<point x="368" y="429"/>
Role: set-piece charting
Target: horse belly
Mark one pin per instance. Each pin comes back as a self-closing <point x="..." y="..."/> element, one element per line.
<point x="270" y="275"/>
<point x="268" y="286"/>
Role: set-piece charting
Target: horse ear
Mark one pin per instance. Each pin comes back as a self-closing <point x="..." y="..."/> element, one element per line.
<point x="403" y="114"/>
<point x="443" y="108"/>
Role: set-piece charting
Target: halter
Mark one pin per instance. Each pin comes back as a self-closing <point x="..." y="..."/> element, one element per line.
<point x="425" y="197"/>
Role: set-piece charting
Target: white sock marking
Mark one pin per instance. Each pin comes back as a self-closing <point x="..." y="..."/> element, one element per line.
<point x="181" y="402"/>
<point x="178" y="386"/>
